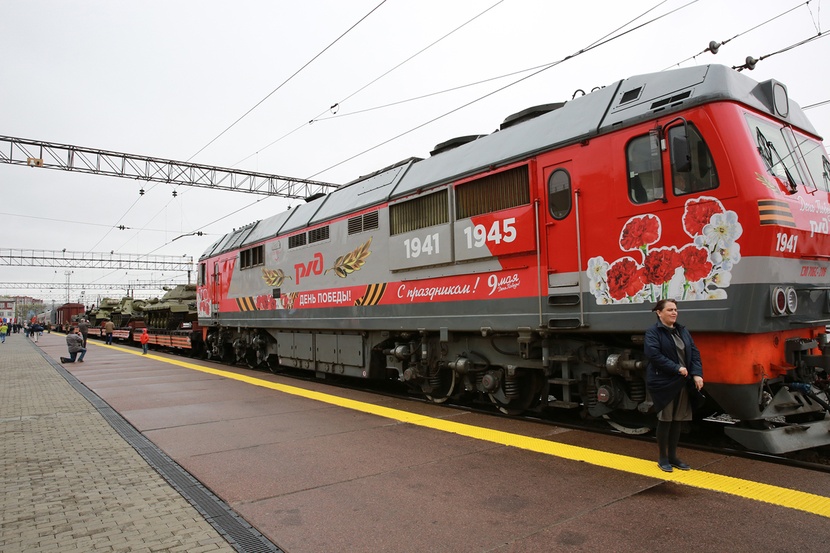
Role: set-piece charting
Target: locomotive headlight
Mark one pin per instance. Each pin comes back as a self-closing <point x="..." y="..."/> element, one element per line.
<point x="779" y="301"/>
<point x="792" y="300"/>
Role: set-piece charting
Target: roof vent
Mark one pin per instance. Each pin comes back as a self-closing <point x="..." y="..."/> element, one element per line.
<point x="453" y="143"/>
<point x="529" y="113"/>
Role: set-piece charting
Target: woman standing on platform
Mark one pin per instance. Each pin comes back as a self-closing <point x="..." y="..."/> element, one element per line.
<point x="674" y="371"/>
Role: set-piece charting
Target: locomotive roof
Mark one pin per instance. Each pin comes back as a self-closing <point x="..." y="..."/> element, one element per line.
<point x="621" y="104"/>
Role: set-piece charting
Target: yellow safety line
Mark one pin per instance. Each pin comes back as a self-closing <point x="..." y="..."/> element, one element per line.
<point x="757" y="491"/>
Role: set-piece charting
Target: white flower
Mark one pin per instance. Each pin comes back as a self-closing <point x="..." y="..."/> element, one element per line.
<point x="723" y="229"/>
<point x="716" y="294"/>
<point x="597" y="268"/>
<point x="721" y="279"/>
<point x="728" y="254"/>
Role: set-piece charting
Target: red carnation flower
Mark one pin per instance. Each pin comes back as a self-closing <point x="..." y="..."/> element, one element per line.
<point x="660" y="265"/>
<point x="698" y="214"/>
<point x="640" y="231"/>
<point x="266" y="302"/>
<point x="695" y="261"/>
<point x="625" y="278"/>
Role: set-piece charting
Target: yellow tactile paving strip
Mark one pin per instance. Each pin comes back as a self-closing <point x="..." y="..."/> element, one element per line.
<point x="757" y="491"/>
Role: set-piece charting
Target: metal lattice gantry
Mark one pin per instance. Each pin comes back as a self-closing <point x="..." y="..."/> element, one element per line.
<point x="51" y="155"/>
<point x="92" y="260"/>
<point x="132" y="285"/>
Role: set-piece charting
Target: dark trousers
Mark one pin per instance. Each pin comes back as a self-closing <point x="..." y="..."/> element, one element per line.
<point x="73" y="356"/>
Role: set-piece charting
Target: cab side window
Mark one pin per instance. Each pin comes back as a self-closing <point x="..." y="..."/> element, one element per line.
<point x="645" y="172"/>
<point x="692" y="167"/>
<point x="559" y="194"/>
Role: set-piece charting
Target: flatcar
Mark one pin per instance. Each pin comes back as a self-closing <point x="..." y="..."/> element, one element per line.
<point x="520" y="267"/>
<point x="170" y="320"/>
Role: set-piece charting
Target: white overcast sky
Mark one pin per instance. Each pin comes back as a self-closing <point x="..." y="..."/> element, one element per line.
<point x="164" y="78"/>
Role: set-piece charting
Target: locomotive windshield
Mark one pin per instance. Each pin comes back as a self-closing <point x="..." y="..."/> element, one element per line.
<point x="781" y="148"/>
<point x="816" y="163"/>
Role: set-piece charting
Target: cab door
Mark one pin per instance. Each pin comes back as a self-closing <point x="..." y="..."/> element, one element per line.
<point x="562" y="246"/>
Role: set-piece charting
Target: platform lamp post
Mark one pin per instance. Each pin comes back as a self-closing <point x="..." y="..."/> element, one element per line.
<point x="68" y="277"/>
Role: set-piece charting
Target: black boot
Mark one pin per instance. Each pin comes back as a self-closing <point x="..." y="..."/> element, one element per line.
<point x="674" y="439"/>
<point x="663" y="430"/>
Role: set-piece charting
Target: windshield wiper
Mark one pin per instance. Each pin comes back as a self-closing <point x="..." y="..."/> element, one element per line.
<point x="766" y="148"/>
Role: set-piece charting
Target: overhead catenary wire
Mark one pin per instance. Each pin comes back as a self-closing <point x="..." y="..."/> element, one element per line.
<point x="370" y="83"/>
<point x="87" y="223"/>
<point x="750" y="61"/>
<point x="242" y="117"/>
<point x="297" y="72"/>
<point x="504" y="76"/>
<point x="521" y="71"/>
<point x="592" y="46"/>
<point x="468" y="85"/>
<point x="816" y="104"/>
<point x="714" y="46"/>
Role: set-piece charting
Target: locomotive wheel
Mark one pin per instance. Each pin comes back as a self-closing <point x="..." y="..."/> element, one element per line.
<point x="251" y="359"/>
<point x="531" y="383"/>
<point x="228" y="355"/>
<point x="444" y="391"/>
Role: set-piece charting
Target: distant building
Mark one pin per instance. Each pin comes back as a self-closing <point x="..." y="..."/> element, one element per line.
<point x="7" y="307"/>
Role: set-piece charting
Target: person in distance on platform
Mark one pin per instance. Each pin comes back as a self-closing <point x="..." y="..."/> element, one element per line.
<point x="145" y="339"/>
<point x="75" y="343"/>
<point x="109" y="327"/>
<point x="37" y="330"/>
<point x="4" y="329"/>
<point x="83" y="326"/>
<point x="674" y="371"/>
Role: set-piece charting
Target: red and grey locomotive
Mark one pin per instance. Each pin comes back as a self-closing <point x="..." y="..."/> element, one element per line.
<point x="520" y="267"/>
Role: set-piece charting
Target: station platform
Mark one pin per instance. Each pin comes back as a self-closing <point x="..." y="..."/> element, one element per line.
<point x="91" y="454"/>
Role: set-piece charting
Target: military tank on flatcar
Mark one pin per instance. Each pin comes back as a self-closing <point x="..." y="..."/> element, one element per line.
<point x="172" y="321"/>
<point x="129" y="310"/>
<point x="520" y="267"/>
<point x="176" y="308"/>
<point x="97" y="315"/>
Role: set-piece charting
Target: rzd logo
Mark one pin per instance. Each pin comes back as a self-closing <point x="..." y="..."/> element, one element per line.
<point x="314" y="267"/>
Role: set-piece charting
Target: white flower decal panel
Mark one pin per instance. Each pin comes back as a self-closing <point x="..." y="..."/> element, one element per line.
<point x="699" y="269"/>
